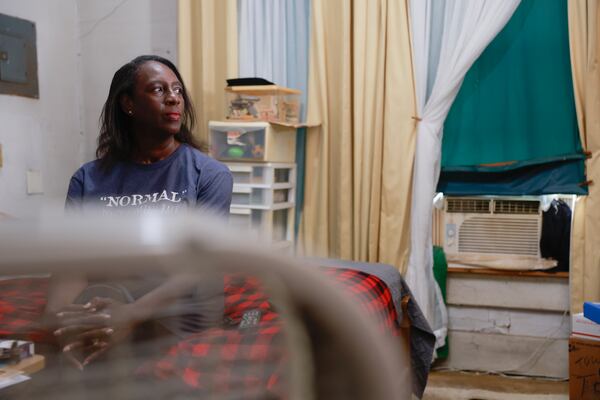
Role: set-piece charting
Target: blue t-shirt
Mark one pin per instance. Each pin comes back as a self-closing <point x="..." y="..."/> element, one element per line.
<point x="185" y="179"/>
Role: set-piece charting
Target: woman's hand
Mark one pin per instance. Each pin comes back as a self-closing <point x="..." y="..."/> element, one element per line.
<point x="88" y="331"/>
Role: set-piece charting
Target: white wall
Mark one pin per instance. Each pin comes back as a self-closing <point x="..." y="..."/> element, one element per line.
<point x="43" y="134"/>
<point x="80" y="44"/>
<point x="114" y="32"/>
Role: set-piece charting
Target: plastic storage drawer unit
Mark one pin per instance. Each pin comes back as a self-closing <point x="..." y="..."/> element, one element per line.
<point x="251" y="141"/>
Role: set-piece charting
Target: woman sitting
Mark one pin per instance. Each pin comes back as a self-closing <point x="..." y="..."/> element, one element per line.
<point x="147" y="161"/>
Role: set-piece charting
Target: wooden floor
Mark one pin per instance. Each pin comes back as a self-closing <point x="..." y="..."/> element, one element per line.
<point x="474" y="386"/>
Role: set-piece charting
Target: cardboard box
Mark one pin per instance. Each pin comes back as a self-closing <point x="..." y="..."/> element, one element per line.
<point x="584" y="328"/>
<point x="584" y="369"/>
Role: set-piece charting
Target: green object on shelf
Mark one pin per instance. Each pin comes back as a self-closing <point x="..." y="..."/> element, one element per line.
<point x="440" y="273"/>
<point x="235" y="152"/>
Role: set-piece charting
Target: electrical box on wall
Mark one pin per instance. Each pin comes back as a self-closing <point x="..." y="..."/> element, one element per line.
<point x="18" y="57"/>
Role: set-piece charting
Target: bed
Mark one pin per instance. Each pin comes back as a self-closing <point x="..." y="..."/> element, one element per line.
<point x="235" y="359"/>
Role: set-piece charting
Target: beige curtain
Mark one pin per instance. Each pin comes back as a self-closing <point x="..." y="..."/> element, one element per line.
<point x="359" y="162"/>
<point x="207" y="55"/>
<point x="584" y="35"/>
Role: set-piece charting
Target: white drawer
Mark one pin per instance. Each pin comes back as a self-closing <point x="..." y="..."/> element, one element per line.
<point x="251" y="141"/>
<point x="260" y="197"/>
<point x="274" y="225"/>
<point x="263" y="174"/>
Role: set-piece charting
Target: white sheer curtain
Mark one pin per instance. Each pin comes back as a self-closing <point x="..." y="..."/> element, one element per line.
<point x="262" y="40"/>
<point x="273" y="37"/>
<point x="469" y="26"/>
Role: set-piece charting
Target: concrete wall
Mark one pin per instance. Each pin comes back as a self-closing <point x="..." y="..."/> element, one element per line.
<point x="43" y="134"/>
<point x="112" y="33"/>
<point x="80" y="44"/>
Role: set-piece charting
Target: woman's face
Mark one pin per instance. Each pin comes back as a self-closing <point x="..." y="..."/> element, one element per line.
<point x="157" y="103"/>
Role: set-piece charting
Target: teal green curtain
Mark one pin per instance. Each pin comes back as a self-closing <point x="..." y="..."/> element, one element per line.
<point x="516" y="103"/>
<point x="548" y="178"/>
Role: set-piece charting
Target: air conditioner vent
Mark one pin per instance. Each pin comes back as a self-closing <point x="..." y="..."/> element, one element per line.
<point x="499" y="235"/>
<point x="465" y="205"/>
<point x="521" y="207"/>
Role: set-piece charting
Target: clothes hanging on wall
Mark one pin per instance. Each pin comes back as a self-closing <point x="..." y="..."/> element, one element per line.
<point x="555" y="241"/>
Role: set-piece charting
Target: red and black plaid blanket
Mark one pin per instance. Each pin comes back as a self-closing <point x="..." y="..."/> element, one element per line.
<point x="245" y="355"/>
<point x="22" y="302"/>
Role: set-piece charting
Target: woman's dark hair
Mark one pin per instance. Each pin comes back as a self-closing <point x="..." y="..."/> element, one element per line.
<point x="116" y="142"/>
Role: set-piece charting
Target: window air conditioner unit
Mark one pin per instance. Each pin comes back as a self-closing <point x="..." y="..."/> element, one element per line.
<point x="492" y="225"/>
